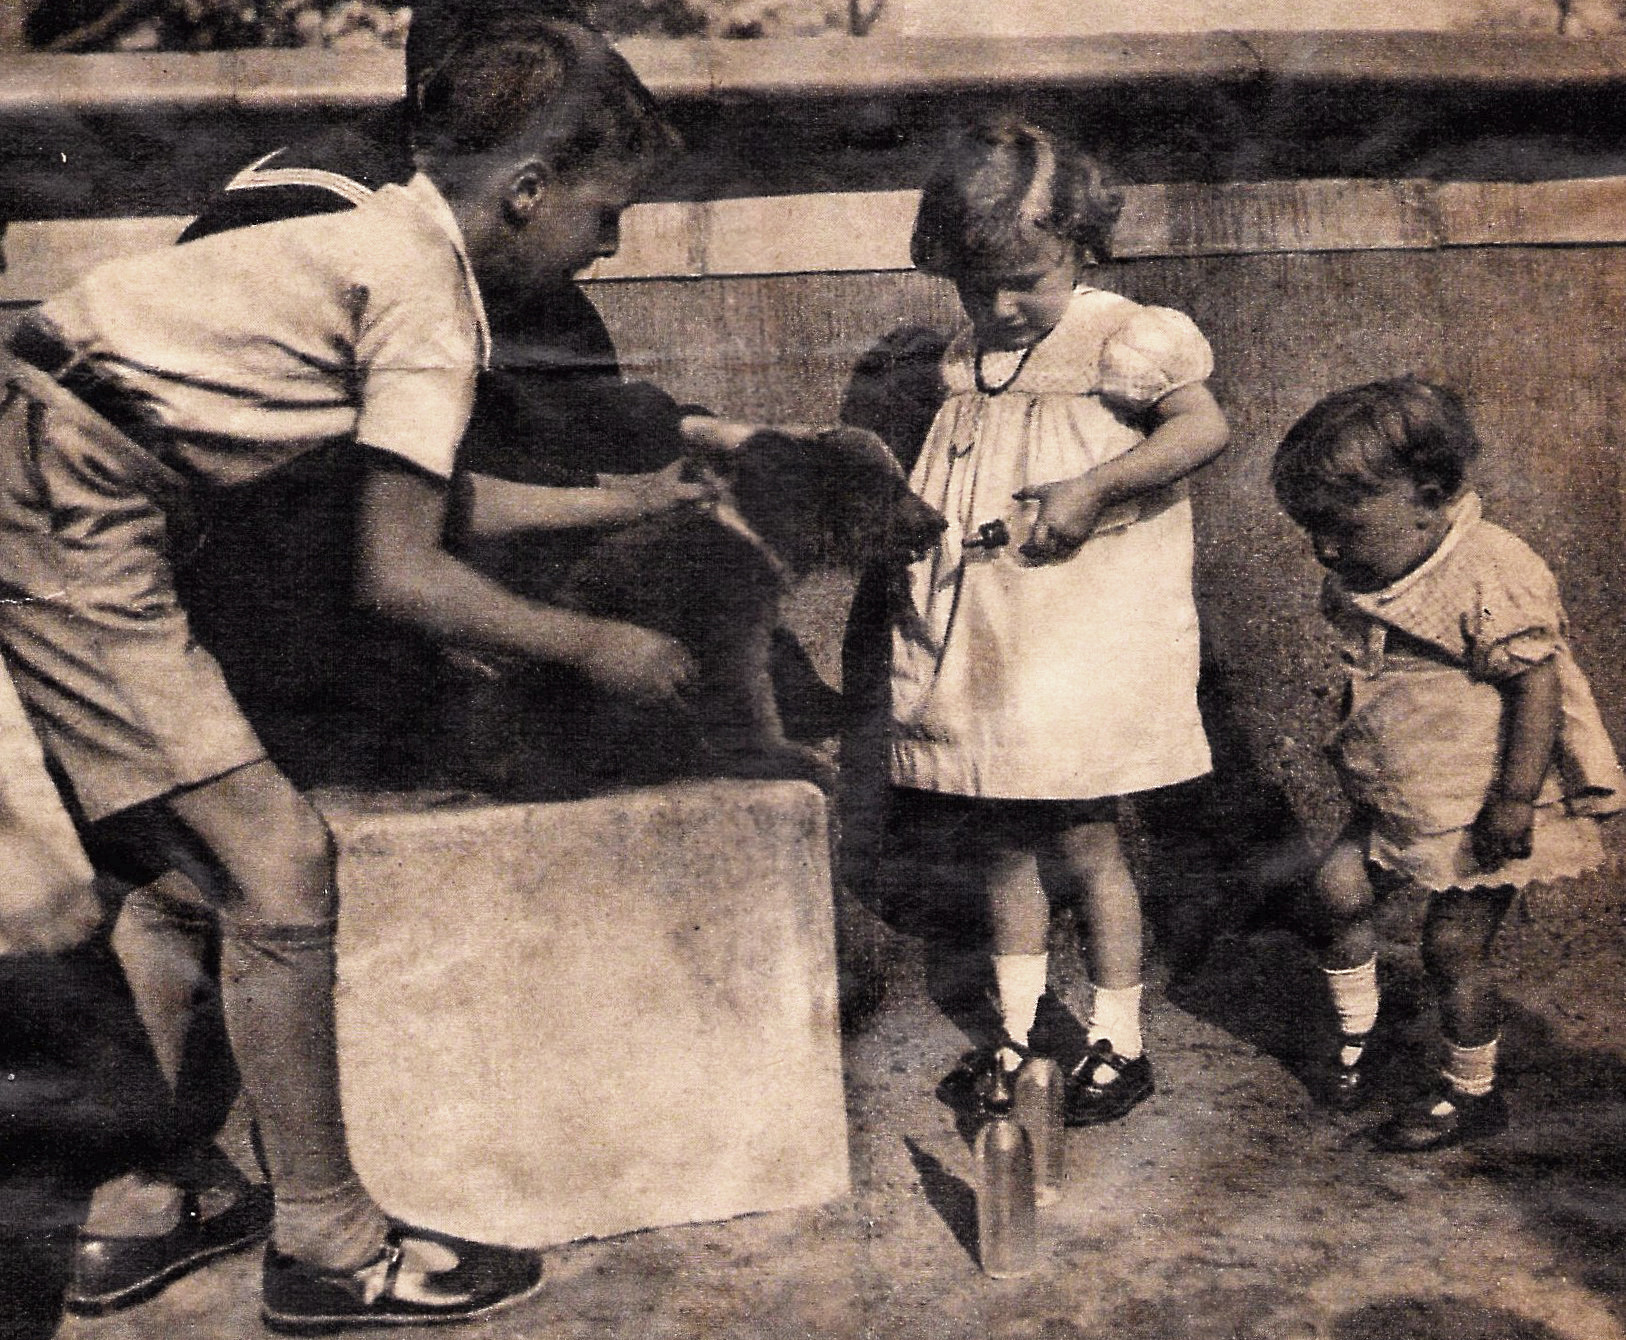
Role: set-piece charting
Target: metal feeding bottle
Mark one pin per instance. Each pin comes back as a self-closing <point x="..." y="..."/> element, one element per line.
<point x="1007" y="1227"/>
<point x="1038" y="1110"/>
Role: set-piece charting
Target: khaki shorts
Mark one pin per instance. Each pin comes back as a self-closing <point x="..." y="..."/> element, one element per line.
<point x="127" y="705"/>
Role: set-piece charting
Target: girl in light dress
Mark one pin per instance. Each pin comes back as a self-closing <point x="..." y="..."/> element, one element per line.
<point x="1036" y="682"/>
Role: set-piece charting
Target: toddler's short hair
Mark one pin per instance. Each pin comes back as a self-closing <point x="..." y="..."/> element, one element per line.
<point x="1355" y="442"/>
<point x="479" y="71"/>
<point x="1004" y="179"/>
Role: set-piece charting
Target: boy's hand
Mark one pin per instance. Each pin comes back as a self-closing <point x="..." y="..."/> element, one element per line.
<point x="637" y="663"/>
<point x="663" y="491"/>
<point x="1068" y="511"/>
<point x="1501" y="833"/>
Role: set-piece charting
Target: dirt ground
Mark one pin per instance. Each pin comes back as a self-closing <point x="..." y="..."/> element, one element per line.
<point x="1228" y="1207"/>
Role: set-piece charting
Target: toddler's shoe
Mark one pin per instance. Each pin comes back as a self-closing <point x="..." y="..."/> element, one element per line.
<point x="1092" y="1100"/>
<point x="420" y="1278"/>
<point x="1345" y="1085"/>
<point x="1444" y="1118"/>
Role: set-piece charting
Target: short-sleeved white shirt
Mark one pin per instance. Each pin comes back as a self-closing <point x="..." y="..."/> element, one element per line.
<point x="247" y="348"/>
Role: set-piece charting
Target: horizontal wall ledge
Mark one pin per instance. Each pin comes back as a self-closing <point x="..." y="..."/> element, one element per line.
<point x="869" y="231"/>
<point x="154" y="133"/>
<point x="844" y="67"/>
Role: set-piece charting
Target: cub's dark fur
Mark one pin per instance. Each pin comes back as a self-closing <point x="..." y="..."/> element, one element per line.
<point x="791" y="503"/>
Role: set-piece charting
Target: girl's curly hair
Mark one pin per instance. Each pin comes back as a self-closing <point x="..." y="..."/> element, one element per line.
<point x="1004" y="179"/>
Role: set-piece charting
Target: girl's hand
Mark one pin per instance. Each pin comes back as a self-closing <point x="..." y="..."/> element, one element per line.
<point x="663" y="491"/>
<point x="1501" y="833"/>
<point x="637" y="663"/>
<point x="1068" y="511"/>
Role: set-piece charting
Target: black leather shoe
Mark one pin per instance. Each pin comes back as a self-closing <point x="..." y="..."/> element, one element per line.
<point x="1440" y="1120"/>
<point x="421" y="1278"/>
<point x="111" y="1273"/>
<point x="981" y="1084"/>
<point x="1091" y="1102"/>
<point x="1346" y="1087"/>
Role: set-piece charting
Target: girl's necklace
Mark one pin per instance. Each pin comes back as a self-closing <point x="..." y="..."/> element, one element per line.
<point x="988" y="388"/>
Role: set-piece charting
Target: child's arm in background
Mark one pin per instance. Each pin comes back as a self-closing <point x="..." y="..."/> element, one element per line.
<point x="1531" y="704"/>
<point x="403" y="572"/>
<point x="493" y="507"/>
<point x="1190" y="431"/>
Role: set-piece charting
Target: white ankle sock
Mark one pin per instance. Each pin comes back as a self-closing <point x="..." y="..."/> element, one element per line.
<point x="1020" y="979"/>
<point x="1115" y="1015"/>
<point x="1471" y="1070"/>
<point x="1354" y="995"/>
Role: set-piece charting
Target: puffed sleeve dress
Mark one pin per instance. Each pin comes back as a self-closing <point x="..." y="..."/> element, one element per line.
<point x="1061" y="680"/>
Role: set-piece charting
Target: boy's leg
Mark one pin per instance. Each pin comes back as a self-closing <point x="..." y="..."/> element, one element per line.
<point x="1338" y="919"/>
<point x="276" y="986"/>
<point x="1458" y="934"/>
<point x="157" y="1223"/>
<point x="1115" y="1074"/>
<point x="338" y="1260"/>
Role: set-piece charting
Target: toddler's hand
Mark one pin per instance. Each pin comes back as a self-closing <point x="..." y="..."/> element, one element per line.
<point x="1068" y="511"/>
<point x="638" y="663"/>
<point x="1501" y="833"/>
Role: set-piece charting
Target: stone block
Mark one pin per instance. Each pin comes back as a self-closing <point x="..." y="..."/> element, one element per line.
<point x="574" y="1020"/>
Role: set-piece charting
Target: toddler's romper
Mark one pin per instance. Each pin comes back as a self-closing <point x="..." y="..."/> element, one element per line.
<point x="218" y="361"/>
<point x="1062" y="680"/>
<point x="1420" y="745"/>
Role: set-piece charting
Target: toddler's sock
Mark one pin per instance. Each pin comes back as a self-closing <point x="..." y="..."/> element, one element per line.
<point x="1115" y="1016"/>
<point x="1354" y="996"/>
<point x="1020" y="981"/>
<point x="1471" y="1070"/>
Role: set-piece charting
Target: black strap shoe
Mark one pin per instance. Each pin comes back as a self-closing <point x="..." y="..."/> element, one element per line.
<point x="420" y="1278"/>
<point x="1346" y="1087"/>
<point x="1440" y="1120"/>
<point x="112" y="1273"/>
<point x="1091" y="1101"/>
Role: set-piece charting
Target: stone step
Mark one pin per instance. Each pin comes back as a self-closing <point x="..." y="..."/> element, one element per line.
<point x="575" y="1020"/>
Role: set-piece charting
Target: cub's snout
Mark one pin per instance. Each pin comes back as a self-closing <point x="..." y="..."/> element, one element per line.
<point x="915" y="525"/>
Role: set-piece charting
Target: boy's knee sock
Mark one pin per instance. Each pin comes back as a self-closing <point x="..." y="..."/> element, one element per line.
<point x="1354" y="996"/>
<point x="1115" y="1017"/>
<point x="1020" y="979"/>
<point x="277" y="992"/>
<point x="1471" y="1070"/>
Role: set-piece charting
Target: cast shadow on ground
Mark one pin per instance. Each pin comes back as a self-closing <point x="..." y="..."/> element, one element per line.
<point x="954" y="1199"/>
<point x="1562" y="1163"/>
<point x="1437" y="1319"/>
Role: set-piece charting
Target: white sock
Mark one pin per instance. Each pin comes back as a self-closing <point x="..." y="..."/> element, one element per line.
<point x="1471" y="1070"/>
<point x="1020" y="979"/>
<point x="1354" y="995"/>
<point x="1115" y="1016"/>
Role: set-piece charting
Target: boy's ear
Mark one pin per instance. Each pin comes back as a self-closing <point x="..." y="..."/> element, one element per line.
<point x="524" y="190"/>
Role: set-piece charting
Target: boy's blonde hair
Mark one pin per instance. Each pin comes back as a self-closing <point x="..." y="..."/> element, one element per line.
<point x="478" y="74"/>
<point x="1004" y="179"/>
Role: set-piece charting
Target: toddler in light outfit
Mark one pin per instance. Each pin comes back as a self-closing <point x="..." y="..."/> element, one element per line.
<point x="1470" y="744"/>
